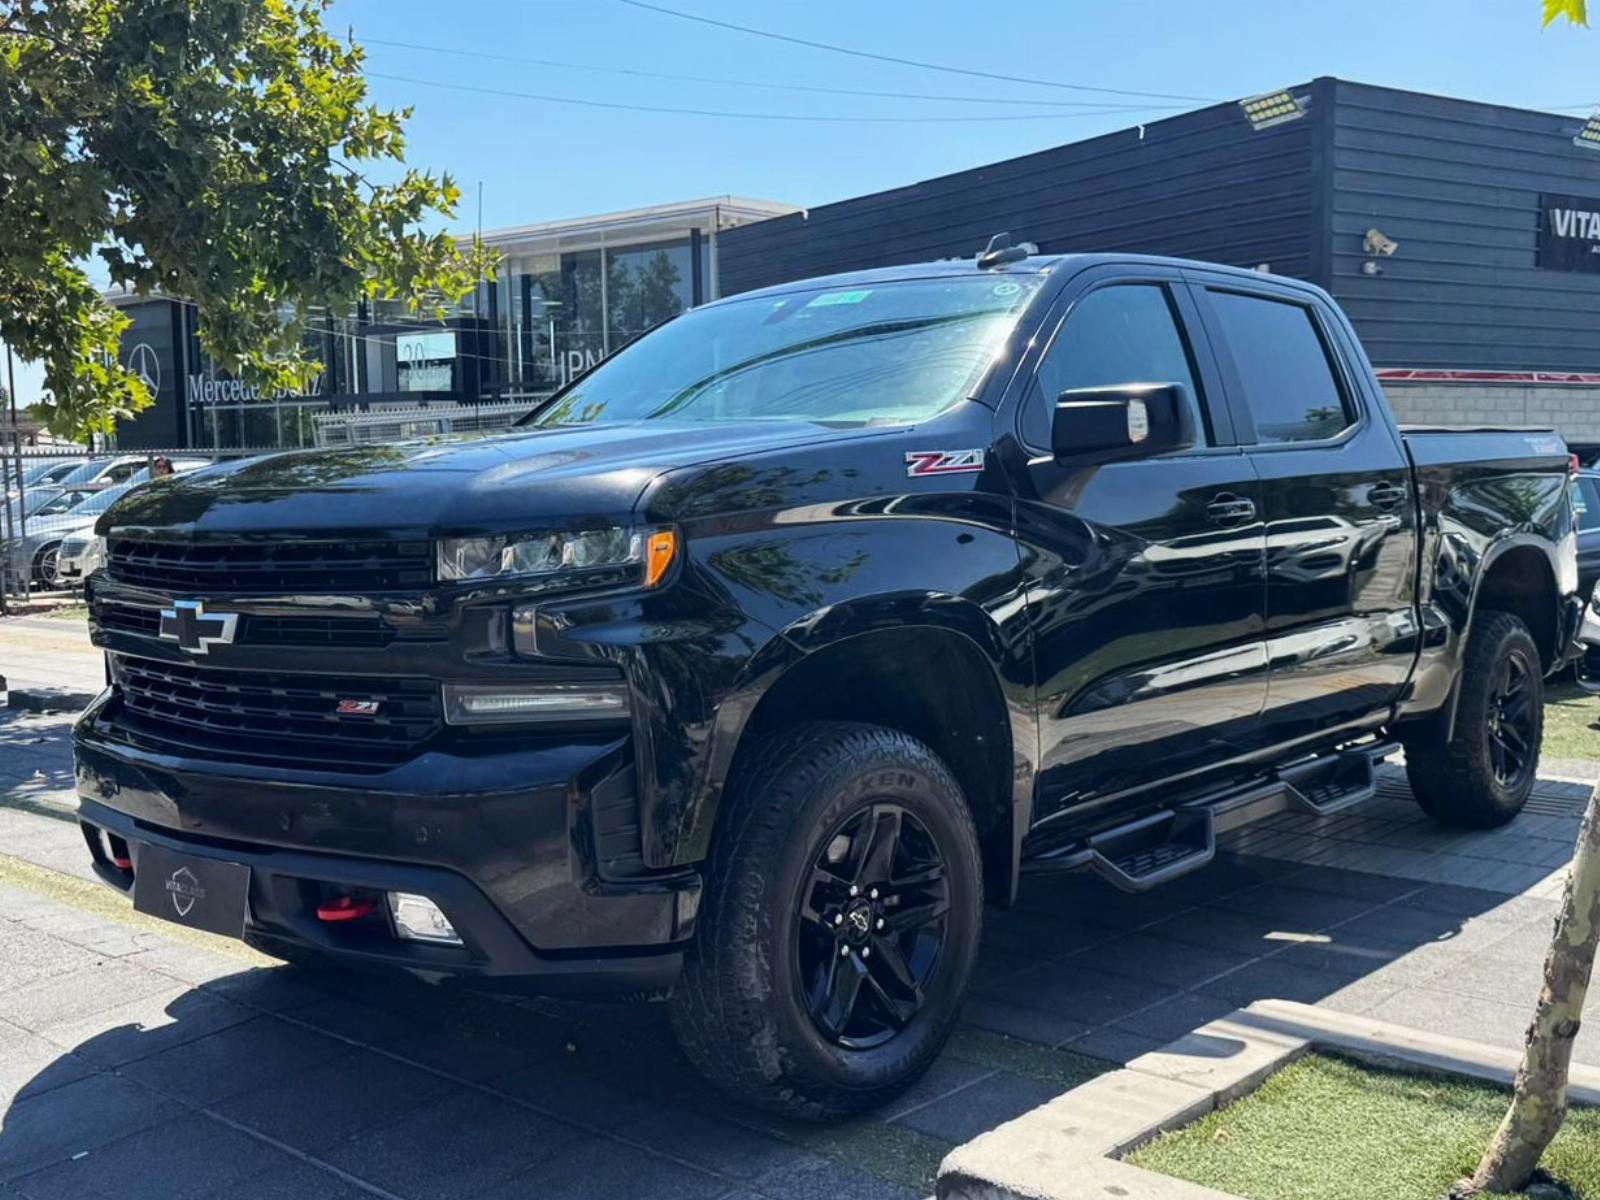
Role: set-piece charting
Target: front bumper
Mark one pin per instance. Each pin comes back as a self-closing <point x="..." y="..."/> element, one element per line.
<point x="503" y="838"/>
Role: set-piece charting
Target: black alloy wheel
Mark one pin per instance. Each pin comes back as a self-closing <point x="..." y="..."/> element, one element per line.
<point x="1479" y="773"/>
<point x="839" y="929"/>
<point x="872" y="924"/>
<point x="1512" y="735"/>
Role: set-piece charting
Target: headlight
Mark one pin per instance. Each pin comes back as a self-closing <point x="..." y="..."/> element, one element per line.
<point x="634" y="555"/>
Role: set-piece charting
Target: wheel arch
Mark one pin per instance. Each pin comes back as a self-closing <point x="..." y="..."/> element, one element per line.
<point x="1516" y="575"/>
<point x="930" y="681"/>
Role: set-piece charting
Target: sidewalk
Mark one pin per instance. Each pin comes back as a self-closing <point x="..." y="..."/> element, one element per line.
<point x="186" y="1066"/>
<point x="50" y="656"/>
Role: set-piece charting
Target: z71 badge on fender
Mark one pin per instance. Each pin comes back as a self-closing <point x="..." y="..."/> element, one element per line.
<point x="943" y="462"/>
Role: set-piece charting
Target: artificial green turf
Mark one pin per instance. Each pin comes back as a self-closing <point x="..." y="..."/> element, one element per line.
<point x="1325" y="1128"/>
<point x="1569" y="717"/>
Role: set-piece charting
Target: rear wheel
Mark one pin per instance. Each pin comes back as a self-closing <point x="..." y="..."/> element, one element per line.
<point x="1482" y="777"/>
<point x="841" y="921"/>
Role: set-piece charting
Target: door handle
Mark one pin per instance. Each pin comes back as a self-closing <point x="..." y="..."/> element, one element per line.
<point x="1228" y="509"/>
<point x="1386" y="495"/>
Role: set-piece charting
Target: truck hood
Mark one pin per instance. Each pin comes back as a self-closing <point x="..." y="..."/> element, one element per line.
<point x="481" y="484"/>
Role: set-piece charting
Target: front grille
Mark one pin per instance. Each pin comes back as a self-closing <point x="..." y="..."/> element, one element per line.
<point x="316" y="631"/>
<point x="357" y="632"/>
<point x="214" y="568"/>
<point x="128" y="618"/>
<point x="292" y="720"/>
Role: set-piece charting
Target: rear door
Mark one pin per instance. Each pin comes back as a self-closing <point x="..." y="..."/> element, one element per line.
<point x="1341" y="522"/>
<point x="1146" y="591"/>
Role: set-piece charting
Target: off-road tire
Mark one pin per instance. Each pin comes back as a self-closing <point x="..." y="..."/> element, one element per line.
<point x="1455" y="781"/>
<point x="737" y="1009"/>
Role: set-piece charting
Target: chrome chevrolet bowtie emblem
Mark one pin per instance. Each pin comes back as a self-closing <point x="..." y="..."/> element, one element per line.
<point x="196" y="630"/>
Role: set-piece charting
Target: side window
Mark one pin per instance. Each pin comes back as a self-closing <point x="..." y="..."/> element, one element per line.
<point x="1289" y="383"/>
<point x="1127" y="333"/>
<point x="1586" y="501"/>
<point x="122" y="472"/>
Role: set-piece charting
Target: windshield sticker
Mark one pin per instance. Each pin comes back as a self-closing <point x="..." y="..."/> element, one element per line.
<point x="828" y="298"/>
<point x="943" y="462"/>
<point x="1007" y="289"/>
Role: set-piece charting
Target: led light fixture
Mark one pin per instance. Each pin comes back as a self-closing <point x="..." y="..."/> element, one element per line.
<point x="1272" y="108"/>
<point x="418" y="919"/>
<point x="494" y="704"/>
<point x="1589" y="136"/>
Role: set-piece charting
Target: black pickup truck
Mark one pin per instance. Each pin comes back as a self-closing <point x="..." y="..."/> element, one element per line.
<point x="759" y="658"/>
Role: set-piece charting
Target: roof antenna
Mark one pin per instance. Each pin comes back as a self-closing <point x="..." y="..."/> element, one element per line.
<point x="1000" y="251"/>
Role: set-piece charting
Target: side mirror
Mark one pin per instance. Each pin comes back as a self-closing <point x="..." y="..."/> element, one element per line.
<point x="1130" y="420"/>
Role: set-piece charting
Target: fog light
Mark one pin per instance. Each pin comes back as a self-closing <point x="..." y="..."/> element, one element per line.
<point x="418" y="919"/>
<point x="467" y="704"/>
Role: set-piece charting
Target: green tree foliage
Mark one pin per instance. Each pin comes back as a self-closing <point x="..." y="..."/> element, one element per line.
<point x="214" y="150"/>
<point x="1575" y="11"/>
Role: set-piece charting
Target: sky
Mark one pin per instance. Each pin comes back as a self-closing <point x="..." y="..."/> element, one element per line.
<point x="538" y="159"/>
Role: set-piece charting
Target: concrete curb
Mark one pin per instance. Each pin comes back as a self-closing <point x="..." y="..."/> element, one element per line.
<point x="1072" y="1147"/>
<point x="45" y="700"/>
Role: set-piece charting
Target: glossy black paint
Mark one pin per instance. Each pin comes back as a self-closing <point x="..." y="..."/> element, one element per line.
<point x="1110" y="634"/>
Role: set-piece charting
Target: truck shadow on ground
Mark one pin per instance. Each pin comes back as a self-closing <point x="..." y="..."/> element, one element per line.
<point x="31" y="759"/>
<point x="231" y="1081"/>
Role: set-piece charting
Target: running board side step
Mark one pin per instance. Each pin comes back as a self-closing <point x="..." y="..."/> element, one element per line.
<point x="1159" y="847"/>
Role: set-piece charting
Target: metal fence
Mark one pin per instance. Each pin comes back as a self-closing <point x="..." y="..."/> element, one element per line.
<point x="50" y="498"/>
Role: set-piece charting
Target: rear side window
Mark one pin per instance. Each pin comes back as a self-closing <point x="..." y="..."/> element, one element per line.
<point x="1125" y="333"/>
<point x="1586" y="502"/>
<point x="1289" y="383"/>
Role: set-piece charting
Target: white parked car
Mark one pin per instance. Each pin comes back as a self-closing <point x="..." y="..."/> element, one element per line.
<point x="1589" y="641"/>
<point x="80" y="556"/>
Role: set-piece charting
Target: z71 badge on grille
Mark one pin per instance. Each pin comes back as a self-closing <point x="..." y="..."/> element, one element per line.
<point x="943" y="462"/>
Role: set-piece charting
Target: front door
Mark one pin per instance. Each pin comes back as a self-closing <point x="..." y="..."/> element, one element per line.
<point x="1340" y="511"/>
<point x="1146" y="586"/>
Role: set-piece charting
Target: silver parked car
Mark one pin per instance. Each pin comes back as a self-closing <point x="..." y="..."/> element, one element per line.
<point x="36" y="554"/>
<point x="100" y="473"/>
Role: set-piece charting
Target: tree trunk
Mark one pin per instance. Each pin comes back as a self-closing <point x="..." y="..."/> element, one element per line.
<point x="1539" y="1104"/>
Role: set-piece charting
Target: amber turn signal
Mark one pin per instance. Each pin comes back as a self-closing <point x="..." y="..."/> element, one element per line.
<point x="660" y="550"/>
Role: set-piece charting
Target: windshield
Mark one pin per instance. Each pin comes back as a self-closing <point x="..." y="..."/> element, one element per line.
<point x="884" y="352"/>
<point x="101" y="501"/>
<point x="86" y="473"/>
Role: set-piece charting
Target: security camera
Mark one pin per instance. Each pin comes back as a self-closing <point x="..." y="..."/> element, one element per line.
<point x="1376" y="243"/>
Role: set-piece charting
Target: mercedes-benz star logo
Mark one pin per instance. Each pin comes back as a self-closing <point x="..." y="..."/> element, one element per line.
<point x="189" y="624"/>
<point x="146" y="364"/>
<point x="184" y="889"/>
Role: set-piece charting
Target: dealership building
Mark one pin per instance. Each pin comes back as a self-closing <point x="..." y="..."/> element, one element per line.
<point x="1462" y="238"/>
<point x="565" y="295"/>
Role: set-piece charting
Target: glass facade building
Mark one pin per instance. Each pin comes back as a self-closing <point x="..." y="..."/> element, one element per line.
<point x="565" y="295"/>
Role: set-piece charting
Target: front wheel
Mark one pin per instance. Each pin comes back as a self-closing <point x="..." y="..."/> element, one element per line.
<point x="1482" y="777"/>
<point x="844" y="901"/>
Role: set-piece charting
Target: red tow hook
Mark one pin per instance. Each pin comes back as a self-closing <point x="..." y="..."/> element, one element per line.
<point x="345" y="908"/>
<point x="122" y="862"/>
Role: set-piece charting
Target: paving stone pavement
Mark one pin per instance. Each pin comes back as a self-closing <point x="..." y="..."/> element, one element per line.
<point x="139" y="1060"/>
